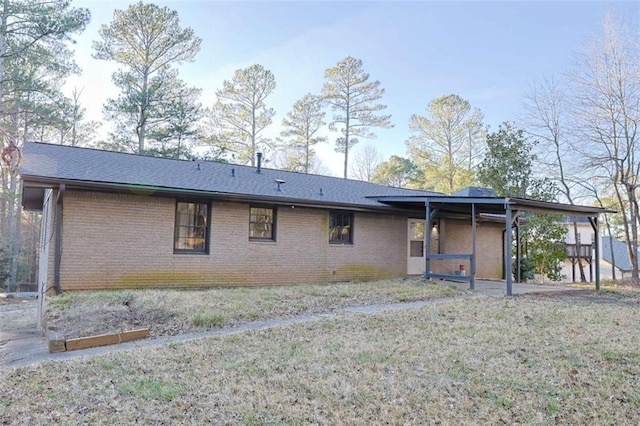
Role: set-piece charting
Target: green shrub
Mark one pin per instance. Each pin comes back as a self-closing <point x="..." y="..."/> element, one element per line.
<point x="527" y="269"/>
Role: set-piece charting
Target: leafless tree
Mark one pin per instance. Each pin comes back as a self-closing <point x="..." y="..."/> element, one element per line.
<point x="365" y="163"/>
<point x="594" y="187"/>
<point x="547" y="121"/>
<point x="606" y="86"/>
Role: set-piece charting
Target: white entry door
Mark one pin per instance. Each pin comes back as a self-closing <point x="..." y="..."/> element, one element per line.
<point x="415" y="247"/>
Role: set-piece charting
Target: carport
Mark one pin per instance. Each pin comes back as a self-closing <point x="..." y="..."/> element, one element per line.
<point x="504" y="209"/>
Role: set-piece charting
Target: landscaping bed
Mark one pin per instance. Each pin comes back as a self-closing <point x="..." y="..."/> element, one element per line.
<point x="172" y="312"/>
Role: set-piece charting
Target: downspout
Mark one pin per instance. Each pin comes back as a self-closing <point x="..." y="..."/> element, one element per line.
<point x="57" y="249"/>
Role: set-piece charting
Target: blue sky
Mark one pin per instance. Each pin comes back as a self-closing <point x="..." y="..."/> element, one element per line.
<point x="487" y="52"/>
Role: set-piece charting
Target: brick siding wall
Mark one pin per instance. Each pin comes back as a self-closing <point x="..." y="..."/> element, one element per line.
<point x="456" y="238"/>
<point x="125" y="240"/>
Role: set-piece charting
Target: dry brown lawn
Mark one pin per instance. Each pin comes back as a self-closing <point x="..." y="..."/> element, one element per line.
<point x="171" y="312"/>
<point x="524" y="360"/>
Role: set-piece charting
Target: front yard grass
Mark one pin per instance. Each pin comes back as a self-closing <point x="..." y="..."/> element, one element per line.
<point x="520" y="360"/>
<point x="171" y="312"/>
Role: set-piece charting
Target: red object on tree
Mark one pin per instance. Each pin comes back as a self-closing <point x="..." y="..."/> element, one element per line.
<point x="11" y="155"/>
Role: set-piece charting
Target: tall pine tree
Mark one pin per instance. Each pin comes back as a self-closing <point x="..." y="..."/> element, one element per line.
<point x="240" y="113"/>
<point x="353" y="99"/>
<point x="148" y="42"/>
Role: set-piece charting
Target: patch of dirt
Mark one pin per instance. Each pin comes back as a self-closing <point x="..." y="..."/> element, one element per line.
<point x="10" y="300"/>
<point x="628" y="281"/>
<point x="589" y="296"/>
<point x="113" y="318"/>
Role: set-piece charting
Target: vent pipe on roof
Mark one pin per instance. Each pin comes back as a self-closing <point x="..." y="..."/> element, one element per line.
<point x="259" y="169"/>
<point x="321" y="193"/>
<point x="233" y="172"/>
<point x="199" y="168"/>
<point x="279" y="182"/>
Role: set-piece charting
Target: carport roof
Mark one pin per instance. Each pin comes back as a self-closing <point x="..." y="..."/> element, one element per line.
<point x="492" y="205"/>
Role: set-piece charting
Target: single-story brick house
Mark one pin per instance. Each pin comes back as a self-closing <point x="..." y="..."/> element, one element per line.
<point x="114" y="220"/>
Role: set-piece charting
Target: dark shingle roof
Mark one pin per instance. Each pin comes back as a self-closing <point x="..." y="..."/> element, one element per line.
<point x="51" y="163"/>
<point x="619" y="252"/>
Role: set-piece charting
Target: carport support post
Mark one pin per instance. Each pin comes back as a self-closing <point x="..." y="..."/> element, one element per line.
<point x="596" y="232"/>
<point x="518" y="249"/>
<point x="427" y="240"/>
<point x="507" y="248"/>
<point x="472" y="266"/>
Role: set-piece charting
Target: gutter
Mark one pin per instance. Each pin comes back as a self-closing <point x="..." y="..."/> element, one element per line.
<point x="35" y="181"/>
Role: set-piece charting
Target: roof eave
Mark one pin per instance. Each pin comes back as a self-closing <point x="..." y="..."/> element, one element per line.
<point x="556" y="208"/>
<point x="513" y="203"/>
<point x="31" y="181"/>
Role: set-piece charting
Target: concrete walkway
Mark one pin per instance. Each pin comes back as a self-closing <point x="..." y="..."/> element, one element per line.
<point x="499" y="288"/>
<point x="25" y="347"/>
<point x="28" y="346"/>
